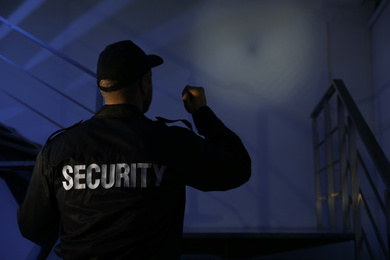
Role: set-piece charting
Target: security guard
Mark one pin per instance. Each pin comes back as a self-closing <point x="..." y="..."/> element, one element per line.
<point x="113" y="187"/>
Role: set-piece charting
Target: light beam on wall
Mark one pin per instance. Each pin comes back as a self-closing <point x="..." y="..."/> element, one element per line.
<point x="264" y="59"/>
<point x="83" y="24"/>
<point x="23" y="11"/>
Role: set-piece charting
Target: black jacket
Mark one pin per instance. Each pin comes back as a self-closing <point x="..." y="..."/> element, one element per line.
<point x="113" y="187"/>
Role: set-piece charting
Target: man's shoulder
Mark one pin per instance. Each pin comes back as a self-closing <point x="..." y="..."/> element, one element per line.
<point x="61" y="132"/>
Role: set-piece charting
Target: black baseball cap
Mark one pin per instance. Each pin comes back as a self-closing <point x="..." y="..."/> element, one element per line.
<point x="124" y="62"/>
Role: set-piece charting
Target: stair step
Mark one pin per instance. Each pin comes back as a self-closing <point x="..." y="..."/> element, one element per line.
<point x="256" y="242"/>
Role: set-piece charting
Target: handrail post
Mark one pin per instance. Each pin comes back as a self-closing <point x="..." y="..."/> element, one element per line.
<point x="343" y="166"/>
<point x="350" y="162"/>
<point x="353" y="161"/>
<point x="368" y="139"/>
<point x="329" y="168"/>
<point x="317" y="172"/>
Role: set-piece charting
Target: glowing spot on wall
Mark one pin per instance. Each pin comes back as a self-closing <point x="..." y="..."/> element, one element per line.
<point x="264" y="52"/>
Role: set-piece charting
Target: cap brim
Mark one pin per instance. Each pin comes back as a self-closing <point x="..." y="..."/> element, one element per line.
<point x="154" y="60"/>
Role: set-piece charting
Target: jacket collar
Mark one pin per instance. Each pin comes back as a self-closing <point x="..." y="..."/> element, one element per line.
<point x="120" y="110"/>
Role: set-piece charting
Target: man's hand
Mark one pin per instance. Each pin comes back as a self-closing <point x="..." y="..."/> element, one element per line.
<point x="193" y="98"/>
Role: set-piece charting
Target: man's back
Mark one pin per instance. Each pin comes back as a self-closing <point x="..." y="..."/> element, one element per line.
<point x="109" y="192"/>
<point x="113" y="187"/>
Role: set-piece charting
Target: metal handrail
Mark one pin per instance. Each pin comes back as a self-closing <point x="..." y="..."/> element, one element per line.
<point x="366" y="135"/>
<point x="350" y="158"/>
<point x="46" y="46"/>
<point x="41" y="253"/>
<point x="69" y="60"/>
<point x="46" y="84"/>
<point x="371" y="182"/>
<point x="373" y="223"/>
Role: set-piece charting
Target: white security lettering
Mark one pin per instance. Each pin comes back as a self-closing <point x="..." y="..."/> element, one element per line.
<point x="92" y="168"/>
<point x="111" y="179"/>
<point x="79" y="176"/>
<point x="144" y="172"/>
<point x="159" y="173"/>
<point x="65" y="170"/>
<point x="133" y="183"/>
<point x="122" y="172"/>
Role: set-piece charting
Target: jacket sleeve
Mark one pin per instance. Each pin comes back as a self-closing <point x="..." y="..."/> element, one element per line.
<point x="38" y="216"/>
<point x="217" y="162"/>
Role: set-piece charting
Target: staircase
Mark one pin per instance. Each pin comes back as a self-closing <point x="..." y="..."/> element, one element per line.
<point x="352" y="174"/>
<point x="352" y="193"/>
<point x="350" y="205"/>
<point x="345" y="214"/>
<point x="254" y="243"/>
